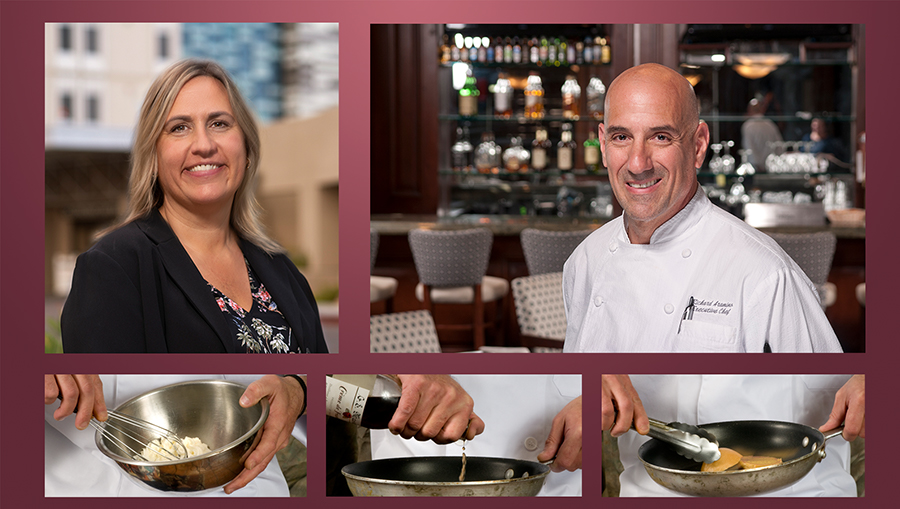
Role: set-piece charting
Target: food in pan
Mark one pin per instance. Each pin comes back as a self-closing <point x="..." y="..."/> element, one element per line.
<point x="733" y="460"/>
<point x="729" y="459"/>
<point x="748" y="462"/>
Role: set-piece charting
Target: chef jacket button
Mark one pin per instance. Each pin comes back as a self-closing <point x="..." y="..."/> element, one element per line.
<point x="598" y="300"/>
<point x="531" y="443"/>
<point x="613" y="247"/>
<point x="686" y="253"/>
<point x="669" y="309"/>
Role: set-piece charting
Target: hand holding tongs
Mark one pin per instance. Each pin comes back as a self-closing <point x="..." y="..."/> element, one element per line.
<point x="687" y="440"/>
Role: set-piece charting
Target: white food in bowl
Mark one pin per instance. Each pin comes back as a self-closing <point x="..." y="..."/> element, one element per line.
<point x="163" y="449"/>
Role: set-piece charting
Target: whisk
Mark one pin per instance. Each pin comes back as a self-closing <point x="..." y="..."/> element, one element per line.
<point x="131" y="435"/>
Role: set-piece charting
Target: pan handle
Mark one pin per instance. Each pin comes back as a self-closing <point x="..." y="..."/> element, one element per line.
<point x="833" y="433"/>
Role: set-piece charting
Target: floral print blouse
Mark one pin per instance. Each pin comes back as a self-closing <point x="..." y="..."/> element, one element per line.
<point x="262" y="328"/>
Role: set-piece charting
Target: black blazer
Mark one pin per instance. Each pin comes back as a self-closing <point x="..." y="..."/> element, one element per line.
<point x="137" y="290"/>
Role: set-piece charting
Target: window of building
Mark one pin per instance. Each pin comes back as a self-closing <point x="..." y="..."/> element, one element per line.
<point x="65" y="107"/>
<point x="91" y="42"/>
<point x="93" y="108"/>
<point x="163" y="46"/>
<point x="65" y="37"/>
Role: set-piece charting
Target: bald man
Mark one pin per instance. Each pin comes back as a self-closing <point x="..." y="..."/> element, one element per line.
<point x="675" y="273"/>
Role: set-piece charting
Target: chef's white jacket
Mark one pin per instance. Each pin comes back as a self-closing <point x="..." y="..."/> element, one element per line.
<point x="623" y="297"/>
<point x="705" y="399"/>
<point x="74" y="467"/>
<point x="517" y="410"/>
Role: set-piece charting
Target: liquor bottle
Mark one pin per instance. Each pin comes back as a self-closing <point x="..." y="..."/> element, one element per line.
<point x="503" y="96"/>
<point x="455" y="51"/>
<point x="605" y="51"/>
<point x="487" y="154"/>
<point x="468" y="96"/>
<point x="445" y="49"/>
<point x="561" y="48"/>
<point x="473" y="48"/>
<point x="565" y="149"/>
<point x="571" y="96"/>
<point x="498" y="50"/>
<point x="596" y="94"/>
<point x="534" y="50"/>
<point x="516" y="157"/>
<point x="489" y="49"/>
<point x="598" y="46"/>
<point x="544" y="51"/>
<point x="572" y="53"/>
<point x="462" y="152"/>
<point x="464" y="44"/>
<point x="551" y="52"/>
<point x="366" y="400"/>
<point x="579" y="52"/>
<point x="517" y="51"/>
<point x="482" y="49"/>
<point x="588" y="50"/>
<point x="592" y="153"/>
<point x="540" y="150"/>
<point x="534" y="96"/>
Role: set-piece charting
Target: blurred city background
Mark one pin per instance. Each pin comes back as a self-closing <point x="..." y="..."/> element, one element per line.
<point x="96" y="76"/>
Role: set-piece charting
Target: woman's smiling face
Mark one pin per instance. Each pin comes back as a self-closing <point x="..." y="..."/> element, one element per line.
<point x="201" y="154"/>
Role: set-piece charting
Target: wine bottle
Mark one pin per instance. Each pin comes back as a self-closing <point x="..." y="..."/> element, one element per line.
<point x="534" y="96"/>
<point x="571" y="96"/>
<point x="468" y="96"/>
<point x="592" y="153"/>
<point x="565" y="149"/>
<point x="367" y="400"/>
<point x="540" y="150"/>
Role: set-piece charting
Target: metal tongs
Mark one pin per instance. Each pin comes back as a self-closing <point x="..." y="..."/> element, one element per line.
<point x="687" y="440"/>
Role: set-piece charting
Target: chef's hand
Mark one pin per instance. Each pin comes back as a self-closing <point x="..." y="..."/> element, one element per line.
<point x="849" y="409"/>
<point x="82" y="391"/>
<point x="285" y="402"/>
<point x="564" y="441"/>
<point x="434" y="407"/>
<point x="620" y="406"/>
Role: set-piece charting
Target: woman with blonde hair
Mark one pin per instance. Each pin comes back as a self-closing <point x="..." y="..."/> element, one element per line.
<point x="190" y="268"/>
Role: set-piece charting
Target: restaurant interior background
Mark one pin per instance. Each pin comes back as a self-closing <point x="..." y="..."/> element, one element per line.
<point x="431" y="163"/>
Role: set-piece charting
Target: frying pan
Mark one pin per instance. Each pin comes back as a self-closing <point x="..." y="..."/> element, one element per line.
<point x="800" y="448"/>
<point x="439" y="477"/>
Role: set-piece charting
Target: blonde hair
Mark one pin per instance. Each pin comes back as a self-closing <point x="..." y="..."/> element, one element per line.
<point x="144" y="191"/>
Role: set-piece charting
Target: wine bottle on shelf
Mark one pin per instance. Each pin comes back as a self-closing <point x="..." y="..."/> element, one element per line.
<point x="551" y="52"/>
<point x="482" y="49"/>
<point x="462" y="152"/>
<point x="534" y="96"/>
<point x="445" y="49"/>
<point x="473" y="48"/>
<point x="540" y="150"/>
<point x="596" y="94"/>
<point x="598" y="50"/>
<point x="592" y="153"/>
<point x="605" y="51"/>
<point x="572" y="53"/>
<point x="516" y="157"/>
<point x="366" y="400"/>
<point x="507" y="50"/>
<point x="517" y="51"/>
<point x="571" y="97"/>
<point x="468" y="95"/>
<point x="588" y="50"/>
<point x="565" y="149"/>
<point x="503" y="96"/>
<point x="498" y="50"/>
<point x="487" y="154"/>
<point x="455" y="52"/>
<point x="544" y="51"/>
<point x="534" y="50"/>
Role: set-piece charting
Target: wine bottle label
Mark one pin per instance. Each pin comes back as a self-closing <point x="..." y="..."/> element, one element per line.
<point x="344" y="400"/>
<point x="564" y="158"/>
<point x="539" y="158"/>
<point x="502" y="102"/>
<point x="468" y="105"/>
<point x="591" y="155"/>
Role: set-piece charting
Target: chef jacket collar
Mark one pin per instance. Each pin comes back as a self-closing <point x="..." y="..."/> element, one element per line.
<point x="681" y="222"/>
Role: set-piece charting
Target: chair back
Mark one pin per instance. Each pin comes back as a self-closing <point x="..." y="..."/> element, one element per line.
<point x="373" y="248"/>
<point x="406" y="332"/>
<point x="547" y="251"/>
<point x="813" y="252"/>
<point x="449" y="258"/>
<point x="540" y="309"/>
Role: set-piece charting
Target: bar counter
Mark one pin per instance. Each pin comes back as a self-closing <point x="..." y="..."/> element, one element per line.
<point x="508" y="261"/>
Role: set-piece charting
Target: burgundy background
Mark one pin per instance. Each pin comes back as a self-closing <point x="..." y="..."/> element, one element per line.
<point x="21" y="224"/>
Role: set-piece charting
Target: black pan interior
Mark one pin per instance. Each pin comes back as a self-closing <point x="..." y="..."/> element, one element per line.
<point x="443" y="469"/>
<point x="750" y="438"/>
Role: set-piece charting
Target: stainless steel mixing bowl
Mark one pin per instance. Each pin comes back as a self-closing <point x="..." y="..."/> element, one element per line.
<point x="207" y="409"/>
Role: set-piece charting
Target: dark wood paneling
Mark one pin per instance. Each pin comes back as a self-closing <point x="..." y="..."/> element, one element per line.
<point x="404" y="119"/>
